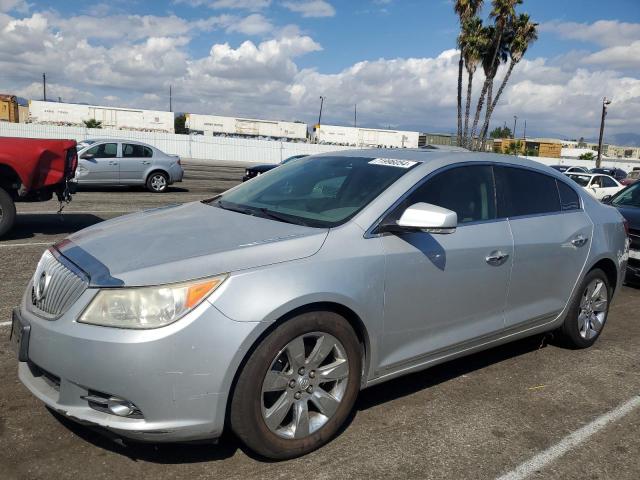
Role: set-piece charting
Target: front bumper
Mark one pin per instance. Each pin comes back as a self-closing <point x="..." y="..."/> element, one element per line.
<point x="179" y="376"/>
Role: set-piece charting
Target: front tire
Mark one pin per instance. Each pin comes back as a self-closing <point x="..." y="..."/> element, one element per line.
<point x="589" y="311"/>
<point x="298" y="386"/>
<point x="7" y="212"/>
<point x="158" y="182"/>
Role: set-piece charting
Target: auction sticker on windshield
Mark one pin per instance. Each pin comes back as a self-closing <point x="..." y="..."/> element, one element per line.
<point x="393" y="162"/>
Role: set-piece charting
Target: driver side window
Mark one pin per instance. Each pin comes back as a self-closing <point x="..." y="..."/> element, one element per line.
<point x="469" y="191"/>
<point x="104" y="150"/>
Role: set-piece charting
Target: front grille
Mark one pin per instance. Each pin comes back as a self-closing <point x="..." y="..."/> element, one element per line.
<point x="54" y="288"/>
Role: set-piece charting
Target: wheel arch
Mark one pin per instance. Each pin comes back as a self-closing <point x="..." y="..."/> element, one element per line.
<point x="608" y="266"/>
<point x="8" y="177"/>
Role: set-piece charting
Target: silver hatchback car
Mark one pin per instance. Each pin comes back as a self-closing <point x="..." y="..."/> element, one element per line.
<point x="111" y="162"/>
<point x="291" y="293"/>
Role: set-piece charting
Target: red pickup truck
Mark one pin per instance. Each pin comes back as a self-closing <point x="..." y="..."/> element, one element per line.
<point x="32" y="170"/>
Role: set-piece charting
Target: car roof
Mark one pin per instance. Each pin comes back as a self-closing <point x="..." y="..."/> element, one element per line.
<point x="425" y="155"/>
<point x="118" y="140"/>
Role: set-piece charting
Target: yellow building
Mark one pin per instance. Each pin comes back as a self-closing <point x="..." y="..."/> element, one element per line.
<point x="533" y="147"/>
<point x="8" y="108"/>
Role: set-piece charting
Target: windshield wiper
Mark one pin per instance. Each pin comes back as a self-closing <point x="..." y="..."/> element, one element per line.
<point x="282" y="217"/>
<point x="261" y="212"/>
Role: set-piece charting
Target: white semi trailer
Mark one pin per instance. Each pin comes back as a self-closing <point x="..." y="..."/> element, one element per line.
<point x="72" y="114"/>
<point x="364" y="137"/>
<point x="246" y="127"/>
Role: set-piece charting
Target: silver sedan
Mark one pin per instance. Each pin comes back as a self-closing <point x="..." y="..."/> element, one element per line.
<point x="111" y="162"/>
<point x="290" y="293"/>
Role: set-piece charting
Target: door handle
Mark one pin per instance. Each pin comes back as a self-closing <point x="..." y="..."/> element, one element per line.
<point x="579" y="241"/>
<point x="145" y="162"/>
<point x="497" y="258"/>
<point x="113" y="163"/>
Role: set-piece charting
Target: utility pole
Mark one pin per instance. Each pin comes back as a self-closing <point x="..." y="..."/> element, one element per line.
<point x="524" y="135"/>
<point x="355" y="115"/>
<point x="170" y="100"/>
<point x="515" y="144"/>
<point x="320" y="116"/>
<point x="605" y="102"/>
<point x="44" y="87"/>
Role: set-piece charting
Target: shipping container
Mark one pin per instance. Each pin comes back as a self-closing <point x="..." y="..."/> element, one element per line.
<point x="71" y="114"/>
<point x="245" y="127"/>
<point x="364" y="137"/>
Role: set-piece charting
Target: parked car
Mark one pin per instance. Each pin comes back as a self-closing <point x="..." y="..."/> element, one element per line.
<point x="597" y="185"/>
<point x="290" y="293"/>
<point x="256" y="170"/>
<point x="631" y="178"/>
<point x="569" y="169"/>
<point x="111" y="162"/>
<point x="616" y="173"/>
<point x="33" y="170"/>
<point x="627" y="202"/>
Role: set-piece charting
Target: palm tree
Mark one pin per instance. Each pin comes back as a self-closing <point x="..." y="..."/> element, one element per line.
<point x="524" y="33"/>
<point x="473" y="42"/>
<point x="502" y="12"/>
<point x="465" y="9"/>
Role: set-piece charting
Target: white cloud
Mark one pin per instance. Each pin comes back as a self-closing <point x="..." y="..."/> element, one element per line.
<point x="623" y="57"/>
<point x="606" y="33"/>
<point x="252" y="5"/>
<point x="310" y="8"/>
<point x="255" y="24"/>
<point x="14" y="5"/>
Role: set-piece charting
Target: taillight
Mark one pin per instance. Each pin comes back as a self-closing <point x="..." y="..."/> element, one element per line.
<point x="179" y="161"/>
<point x="72" y="161"/>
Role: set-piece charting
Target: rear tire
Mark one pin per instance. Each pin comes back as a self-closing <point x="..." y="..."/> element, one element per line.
<point x="7" y="212"/>
<point x="158" y="182"/>
<point x="588" y="312"/>
<point x="286" y="405"/>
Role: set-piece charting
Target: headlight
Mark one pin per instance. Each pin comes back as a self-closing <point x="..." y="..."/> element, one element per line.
<point x="147" y="307"/>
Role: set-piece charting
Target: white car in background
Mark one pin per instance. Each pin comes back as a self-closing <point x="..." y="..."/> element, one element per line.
<point x="597" y="185"/>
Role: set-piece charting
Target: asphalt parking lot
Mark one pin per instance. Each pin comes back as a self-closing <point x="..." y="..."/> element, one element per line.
<point x="478" y="417"/>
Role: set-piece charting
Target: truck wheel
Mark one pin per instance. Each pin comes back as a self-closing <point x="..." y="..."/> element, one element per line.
<point x="298" y="386"/>
<point x="157" y="182"/>
<point x="7" y="212"/>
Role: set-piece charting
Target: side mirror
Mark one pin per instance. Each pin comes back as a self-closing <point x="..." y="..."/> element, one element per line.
<point x="88" y="156"/>
<point x="426" y="218"/>
<point x="606" y="199"/>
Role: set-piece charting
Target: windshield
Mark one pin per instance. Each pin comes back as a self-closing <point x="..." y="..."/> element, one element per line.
<point x="582" y="180"/>
<point x="318" y="192"/>
<point x="629" y="197"/>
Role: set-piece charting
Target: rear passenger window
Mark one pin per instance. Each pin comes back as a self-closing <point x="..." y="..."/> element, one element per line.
<point x="135" y="151"/>
<point x="468" y="191"/>
<point x="569" y="199"/>
<point x="525" y="192"/>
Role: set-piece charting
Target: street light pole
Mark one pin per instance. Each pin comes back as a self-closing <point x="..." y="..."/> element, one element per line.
<point x="605" y="102"/>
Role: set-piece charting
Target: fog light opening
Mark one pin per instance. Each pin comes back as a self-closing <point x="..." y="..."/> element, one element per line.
<point x="122" y="408"/>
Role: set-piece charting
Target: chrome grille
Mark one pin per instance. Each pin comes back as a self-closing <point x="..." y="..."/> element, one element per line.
<point x="54" y="288"/>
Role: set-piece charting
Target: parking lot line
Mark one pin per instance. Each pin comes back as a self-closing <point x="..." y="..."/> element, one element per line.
<point x="571" y="441"/>
<point x="6" y="245"/>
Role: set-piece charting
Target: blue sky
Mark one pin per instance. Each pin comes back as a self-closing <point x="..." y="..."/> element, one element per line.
<point x="395" y="58"/>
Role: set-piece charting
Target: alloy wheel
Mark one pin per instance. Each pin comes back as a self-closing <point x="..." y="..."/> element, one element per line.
<point x="593" y="309"/>
<point x="158" y="183"/>
<point x="304" y="385"/>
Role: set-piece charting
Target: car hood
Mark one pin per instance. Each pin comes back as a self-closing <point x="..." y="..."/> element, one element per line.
<point x="632" y="214"/>
<point x="185" y="242"/>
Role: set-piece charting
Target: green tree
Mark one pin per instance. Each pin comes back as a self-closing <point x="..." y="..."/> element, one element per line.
<point x="179" y="124"/>
<point x="500" y="132"/>
<point x="502" y="12"/>
<point x="523" y="33"/>
<point x="472" y="42"/>
<point x="465" y="9"/>
<point x="587" y="156"/>
<point x="92" y="123"/>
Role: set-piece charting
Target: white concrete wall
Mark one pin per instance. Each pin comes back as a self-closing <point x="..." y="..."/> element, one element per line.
<point x="626" y="165"/>
<point x="189" y="146"/>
